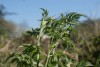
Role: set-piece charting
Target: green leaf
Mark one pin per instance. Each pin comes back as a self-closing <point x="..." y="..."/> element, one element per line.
<point x="84" y="64"/>
<point x="44" y="13"/>
<point x="10" y="56"/>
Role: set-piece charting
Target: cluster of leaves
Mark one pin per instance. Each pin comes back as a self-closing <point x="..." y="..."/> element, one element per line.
<point x="59" y="30"/>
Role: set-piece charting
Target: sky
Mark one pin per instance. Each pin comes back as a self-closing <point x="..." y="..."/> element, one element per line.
<point x="28" y="11"/>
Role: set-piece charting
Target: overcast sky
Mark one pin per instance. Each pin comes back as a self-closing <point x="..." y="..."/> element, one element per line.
<point x="28" y="11"/>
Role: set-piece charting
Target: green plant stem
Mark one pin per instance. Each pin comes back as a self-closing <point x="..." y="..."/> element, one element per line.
<point x="52" y="51"/>
<point x="42" y="26"/>
<point x="48" y="56"/>
<point x="38" y="45"/>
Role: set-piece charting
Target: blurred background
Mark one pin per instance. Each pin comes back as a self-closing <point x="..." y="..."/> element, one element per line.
<point x="18" y="16"/>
